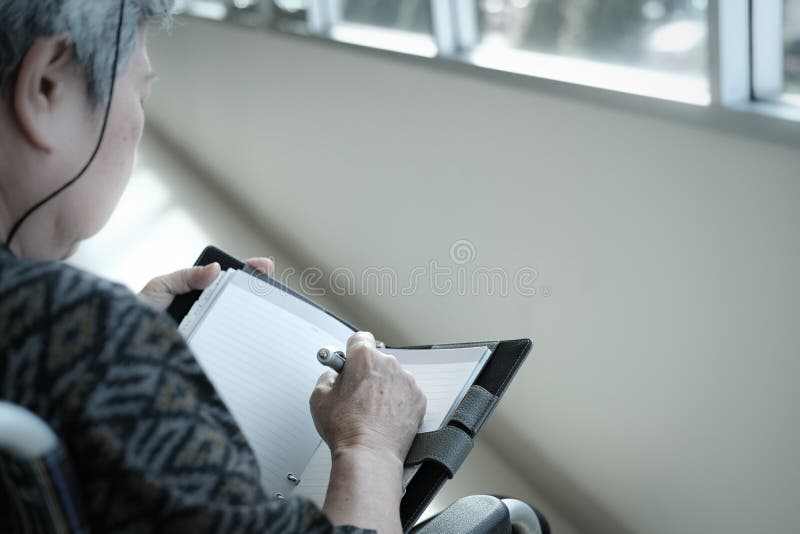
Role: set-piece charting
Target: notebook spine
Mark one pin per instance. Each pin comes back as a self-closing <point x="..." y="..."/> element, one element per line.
<point x="201" y="304"/>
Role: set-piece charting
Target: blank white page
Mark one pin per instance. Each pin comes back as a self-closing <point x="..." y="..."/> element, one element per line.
<point x="444" y="375"/>
<point x="261" y="358"/>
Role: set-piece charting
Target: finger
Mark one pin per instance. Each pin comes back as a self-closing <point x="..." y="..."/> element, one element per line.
<point x="388" y="362"/>
<point x="422" y="407"/>
<point x="360" y="338"/>
<point x="182" y="281"/>
<point x="326" y="380"/>
<point x="265" y="265"/>
<point x="202" y="277"/>
<point x="409" y="377"/>
<point x="321" y="390"/>
<point x="323" y="387"/>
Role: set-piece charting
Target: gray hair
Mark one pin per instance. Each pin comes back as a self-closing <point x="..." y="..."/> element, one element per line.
<point x="91" y="25"/>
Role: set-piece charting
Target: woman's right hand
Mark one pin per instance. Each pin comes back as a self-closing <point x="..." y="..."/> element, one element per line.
<point x="368" y="415"/>
<point x="373" y="405"/>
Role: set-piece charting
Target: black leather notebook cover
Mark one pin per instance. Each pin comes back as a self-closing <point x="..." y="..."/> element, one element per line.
<point x="504" y="362"/>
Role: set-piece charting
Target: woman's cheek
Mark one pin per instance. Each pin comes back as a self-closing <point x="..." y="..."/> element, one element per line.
<point x="137" y="125"/>
<point x="120" y="159"/>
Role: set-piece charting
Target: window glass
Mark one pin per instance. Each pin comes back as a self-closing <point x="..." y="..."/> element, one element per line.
<point x="288" y="15"/>
<point x="791" y="39"/>
<point x="668" y="35"/>
<point x="406" y="15"/>
<point x="399" y="25"/>
<point x="206" y="9"/>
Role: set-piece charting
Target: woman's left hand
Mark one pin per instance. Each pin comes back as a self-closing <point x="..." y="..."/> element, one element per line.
<point x="161" y="291"/>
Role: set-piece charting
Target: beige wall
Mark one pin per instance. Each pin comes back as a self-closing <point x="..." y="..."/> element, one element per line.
<point x="661" y="394"/>
<point x="170" y="212"/>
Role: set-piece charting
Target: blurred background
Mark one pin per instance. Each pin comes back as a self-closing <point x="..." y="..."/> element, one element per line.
<point x="618" y="180"/>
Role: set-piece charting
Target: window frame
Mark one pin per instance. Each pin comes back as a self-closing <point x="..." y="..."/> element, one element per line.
<point x="767" y="49"/>
<point x="745" y="65"/>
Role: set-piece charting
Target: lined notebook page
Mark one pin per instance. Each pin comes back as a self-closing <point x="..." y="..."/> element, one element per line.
<point x="444" y="375"/>
<point x="257" y="345"/>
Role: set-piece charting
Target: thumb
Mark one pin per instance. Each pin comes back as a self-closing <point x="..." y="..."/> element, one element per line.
<point x="185" y="280"/>
<point x="199" y="277"/>
<point x="181" y="281"/>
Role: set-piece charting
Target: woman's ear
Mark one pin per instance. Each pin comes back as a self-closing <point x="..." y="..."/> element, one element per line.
<point x="42" y="80"/>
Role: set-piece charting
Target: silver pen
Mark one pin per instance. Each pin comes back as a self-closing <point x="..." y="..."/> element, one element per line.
<point x="332" y="358"/>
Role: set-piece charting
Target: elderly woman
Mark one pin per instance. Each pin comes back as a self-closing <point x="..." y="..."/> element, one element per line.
<point x="152" y="445"/>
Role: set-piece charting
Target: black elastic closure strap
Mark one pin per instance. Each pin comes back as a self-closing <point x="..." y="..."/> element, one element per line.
<point x="448" y="446"/>
<point x="475" y="408"/>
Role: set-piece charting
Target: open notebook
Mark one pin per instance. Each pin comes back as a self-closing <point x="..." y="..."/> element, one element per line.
<point x="257" y="343"/>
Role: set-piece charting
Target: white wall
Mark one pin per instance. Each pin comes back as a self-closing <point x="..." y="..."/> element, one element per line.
<point x="164" y="219"/>
<point x="170" y="212"/>
<point x="660" y="396"/>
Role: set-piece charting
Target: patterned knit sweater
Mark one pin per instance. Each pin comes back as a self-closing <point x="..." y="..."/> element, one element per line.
<point x="153" y="446"/>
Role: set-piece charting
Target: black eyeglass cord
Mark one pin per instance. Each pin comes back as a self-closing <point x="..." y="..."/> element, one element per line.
<point x="18" y="224"/>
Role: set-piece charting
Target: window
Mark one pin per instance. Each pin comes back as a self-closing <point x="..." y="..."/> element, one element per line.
<point x="791" y="40"/>
<point x="206" y="9"/>
<point x="288" y="15"/>
<point x="659" y="34"/>
<point x="656" y="48"/>
<point x="406" y="15"/>
<point x="400" y="25"/>
<point x="535" y="36"/>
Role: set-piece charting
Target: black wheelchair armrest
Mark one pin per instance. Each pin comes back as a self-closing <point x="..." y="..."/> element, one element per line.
<point x="479" y="514"/>
<point x="473" y="514"/>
